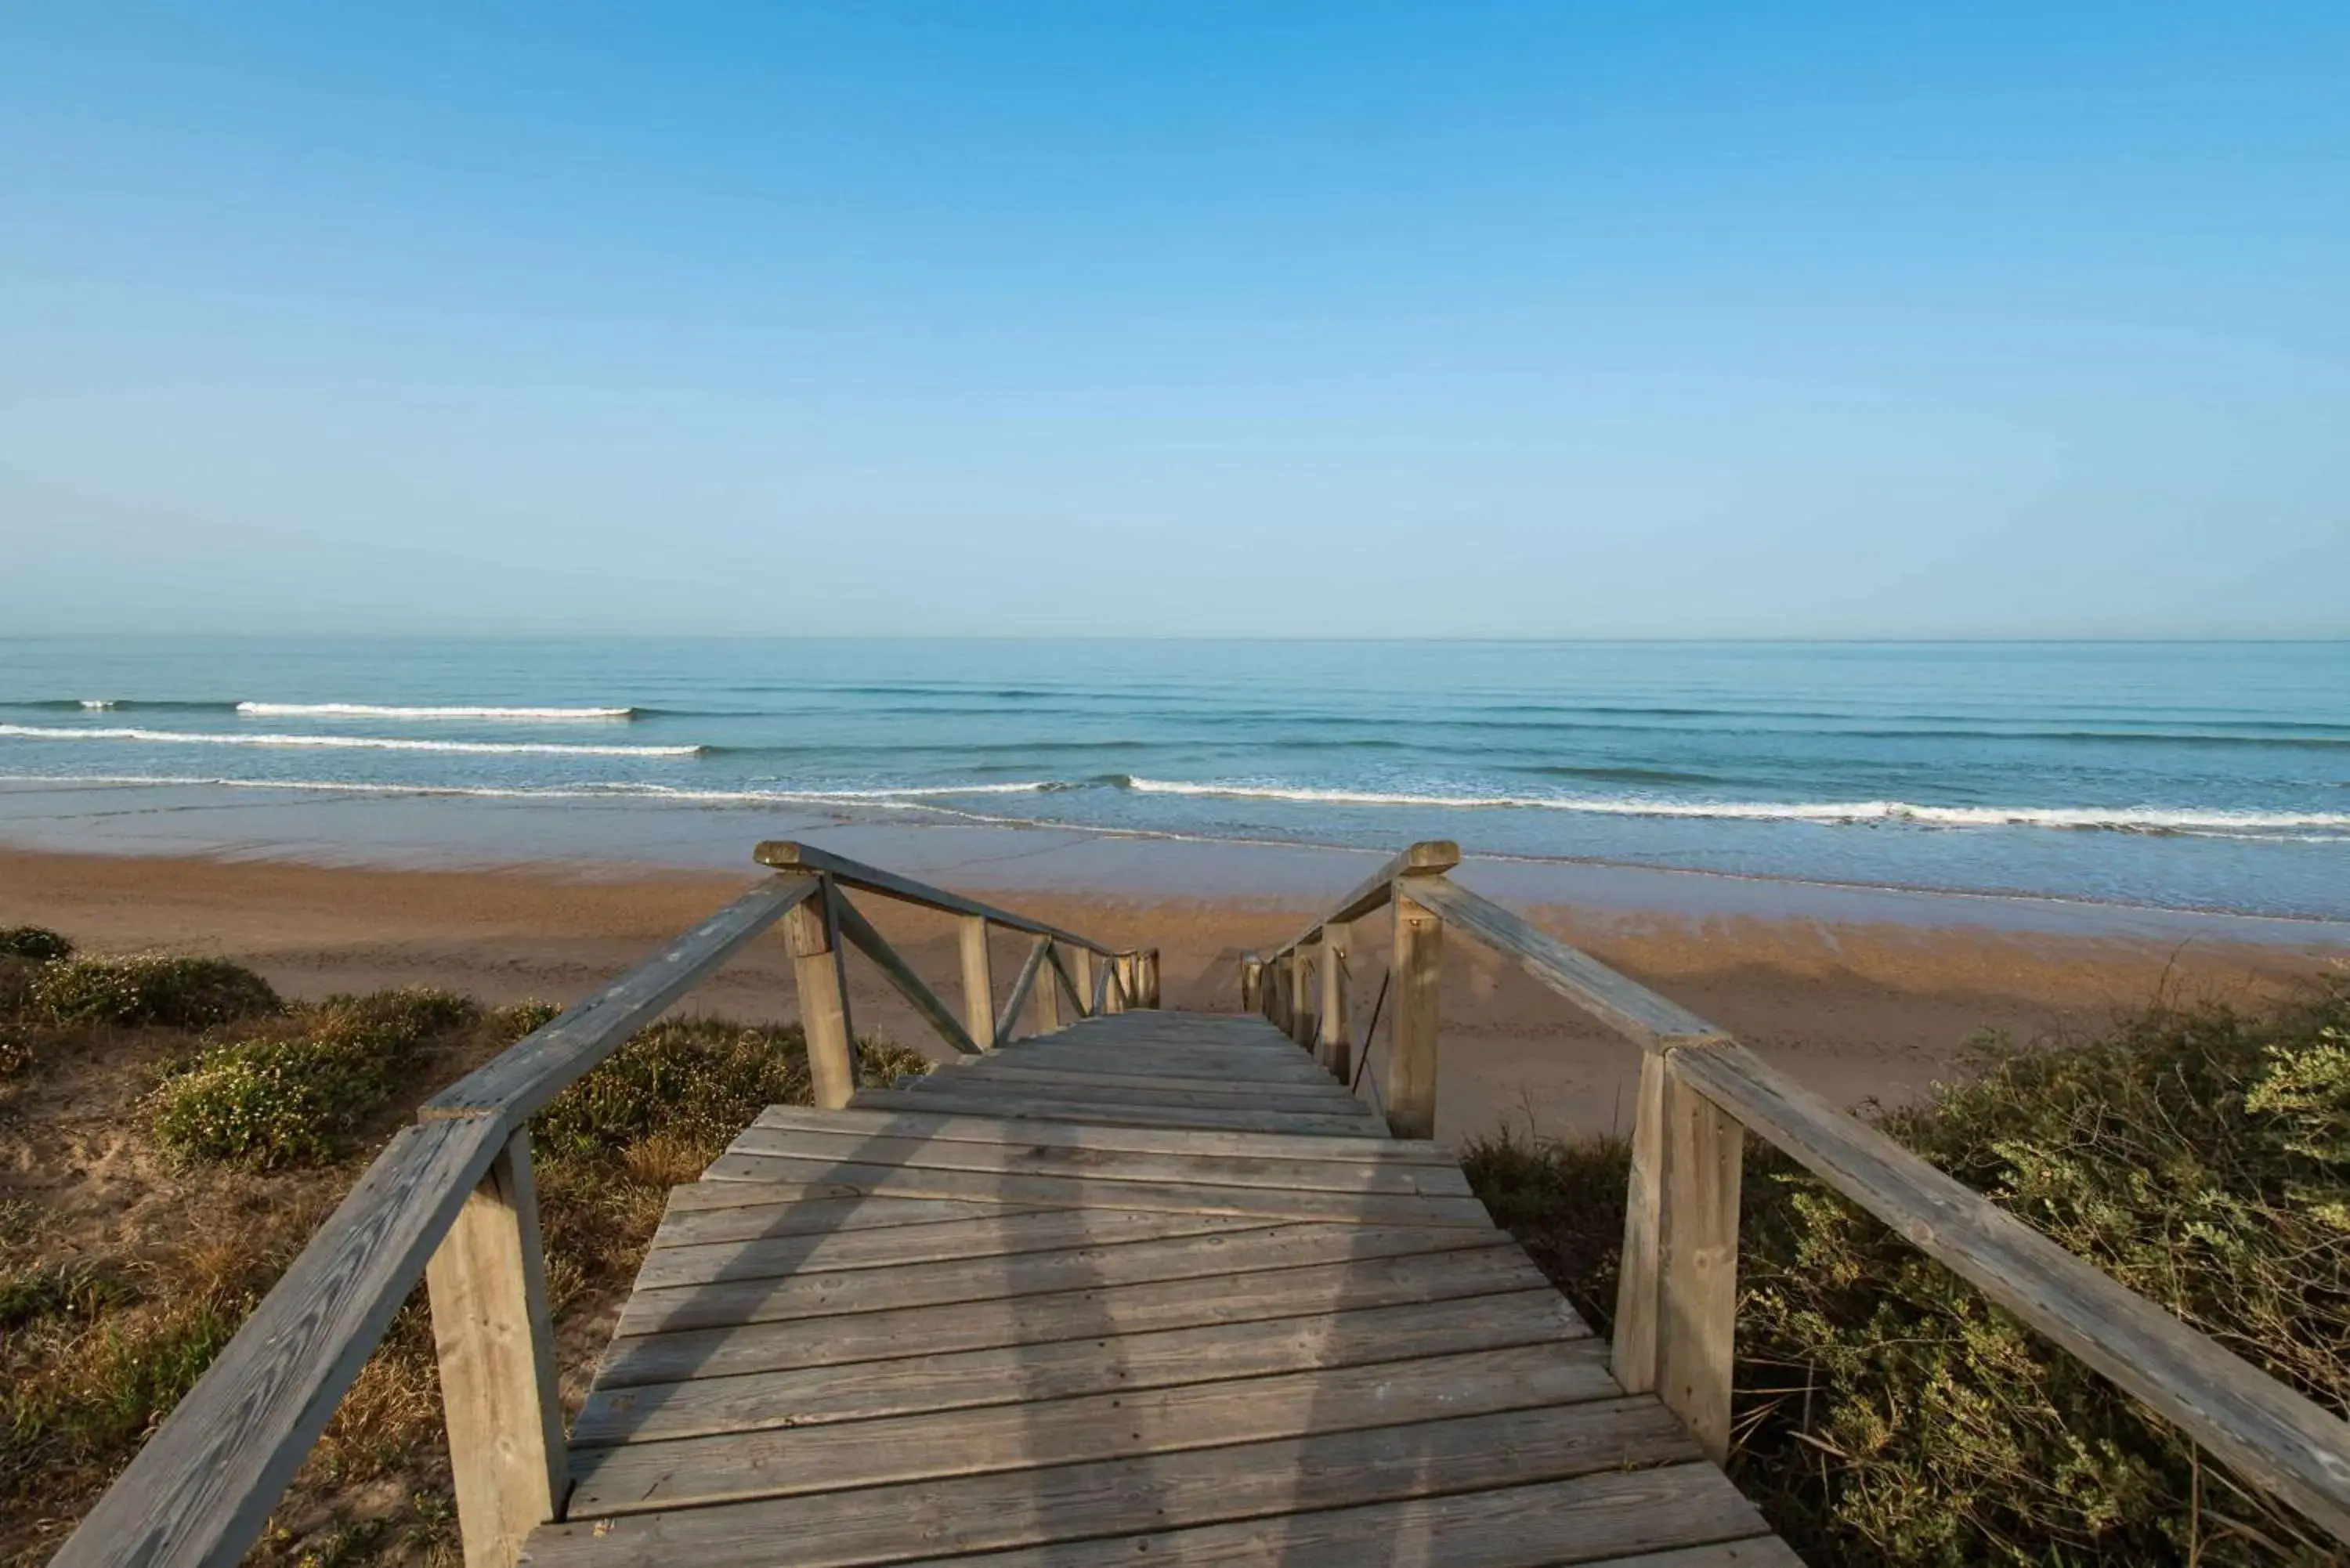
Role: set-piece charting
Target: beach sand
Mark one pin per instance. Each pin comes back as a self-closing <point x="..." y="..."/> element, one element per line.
<point x="1858" y="1010"/>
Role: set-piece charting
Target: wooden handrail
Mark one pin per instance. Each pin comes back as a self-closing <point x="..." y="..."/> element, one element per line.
<point x="1025" y="982"/>
<point x="789" y="855"/>
<point x="1698" y="1091"/>
<point x="451" y="1198"/>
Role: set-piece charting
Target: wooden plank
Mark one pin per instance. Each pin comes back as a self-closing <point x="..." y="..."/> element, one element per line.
<point x="520" y="1080"/>
<point x="1429" y="858"/>
<point x="968" y="1514"/>
<point x="1150" y="1059"/>
<point x="1697" y="1277"/>
<point x="2264" y="1431"/>
<point x="823" y="987"/>
<point x="1625" y="1005"/>
<point x="907" y="984"/>
<point x="1334" y="1045"/>
<point x="787" y="855"/>
<point x="1026" y="1373"/>
<point x="1051" y="982"/>
<point x="1535" y="1526"/>
<point x="1082" y="1191"/>
<point x="1293" y="1245"/>
<point x="1007" y="1022"/>
<point x="1311" y="1099"/>
<point x="1418" y="966"/>
<point x="204" y="1484"/>
<point x="1108" y="1165"/>
<point x="495" y="1343"/>
<point x="640" y="1477"/>
<point x="744" y="1221"/>
<point x="1161" y="1140"/>
<point x="1754" y="1551"/>
<point x="991" y="1236"/>
<point x="1000" y="1070"/>
<point x="1303" y="1026"/>
<point x="1317" y="1286"/>
<point x="1092" y="1111"/>
<point x="978" y="980"/>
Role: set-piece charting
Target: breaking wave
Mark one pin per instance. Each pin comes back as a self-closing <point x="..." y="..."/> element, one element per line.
<point x="339" y="743"/>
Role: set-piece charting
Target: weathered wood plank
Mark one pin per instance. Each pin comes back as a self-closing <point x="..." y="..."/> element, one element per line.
<point x="1076" y="1190"/>
<point x="787" y="855"/>
<point x="1623" y="1004"/>
<point x="1150" y="1059"/>
<point x="1754" y="1551"/>
<point x="1285" y="1246"/>
<point x="1036" y="1075"/>
<point x="1634" y="1341"/>
<point x="994" y="1512"/>
<point x="1092" y="1112"/>
<point x="751" y="1218"/>
<point x="1051" y="981"/>
<point x="1335" y="1044"/>
<point x="1536" y="1526"/>
<point x="640" y="1477"/>
<point x="907" y="984"/>
<point x="1026" y="1373"/>
<point x="1697" y="1277"/>
<point x="996" y="1236"/>
<point x="1157" y="1140"/>
<point x="1311" y="1099"/>
<point x="494" y="1344"/>
<point x="2262" y="1430"/>
<point x="1320" y="1284"/>
<point x="203" y="1487"/>
<point x="1185" y="1170"/>
<point x="521" y="1079"/>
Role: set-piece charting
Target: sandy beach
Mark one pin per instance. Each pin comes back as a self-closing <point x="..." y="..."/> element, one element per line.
<point x="1859" y="1009"/>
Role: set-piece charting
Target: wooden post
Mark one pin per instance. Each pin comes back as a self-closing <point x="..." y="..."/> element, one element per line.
<point x="1048" y="994"/>
<point x="978" y="983"/>
<point x="1302" y="1026"/>
<point x="1411" y="1048"/>
<point x="1151" y="977"/>
<point x="1081" y="975"/>
<point x="1680" y="1285"/>
<point x="495" y="1343"/>
<point x="818" y="969"/>
<point x="1251" y="984"/>
<point x="1337" y="1050"/>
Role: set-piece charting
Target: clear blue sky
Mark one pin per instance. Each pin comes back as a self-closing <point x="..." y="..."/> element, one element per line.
<point x="1335" y="319"/>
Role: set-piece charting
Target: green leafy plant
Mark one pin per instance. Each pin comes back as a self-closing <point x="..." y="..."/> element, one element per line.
<point x="36" y="942"/>
<point x="155" y="989"/>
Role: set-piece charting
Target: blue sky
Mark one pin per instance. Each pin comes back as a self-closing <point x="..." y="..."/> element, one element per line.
<point x="1021" y="318"/>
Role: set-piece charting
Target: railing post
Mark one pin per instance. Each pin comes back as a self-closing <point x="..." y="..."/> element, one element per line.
<point x="1149" y="978"/>
<point x="1048" y="993"/>
<point x="1337" y="1043"/>
<point x="1677" y="1297"/>
<point x="495" y="1344"/>
<point x="1411" y="1048"/>
<point x="819" y="970"/>
<point x="1081" y="975"/>
<point x="978" y="982"/>
<point x="1300" y="1000"/>
<point x="1251" y="984"/>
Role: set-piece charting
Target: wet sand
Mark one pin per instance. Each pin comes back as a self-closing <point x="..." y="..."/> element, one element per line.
<point x="1858" y="1008"/>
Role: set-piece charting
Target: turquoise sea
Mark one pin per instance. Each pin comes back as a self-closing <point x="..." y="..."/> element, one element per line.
<point x="2212" y="775"/>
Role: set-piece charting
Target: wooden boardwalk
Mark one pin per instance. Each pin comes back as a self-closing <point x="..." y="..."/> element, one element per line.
<point x="1150" y="1286"/>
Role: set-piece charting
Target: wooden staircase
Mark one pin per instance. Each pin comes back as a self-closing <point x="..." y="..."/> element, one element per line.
<point x="1152" y="1286"/>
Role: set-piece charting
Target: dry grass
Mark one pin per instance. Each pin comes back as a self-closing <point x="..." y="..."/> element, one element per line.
<point x="126" y="1262"/>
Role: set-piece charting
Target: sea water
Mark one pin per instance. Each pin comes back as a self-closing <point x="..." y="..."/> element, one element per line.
<point x="2208" y="774"/>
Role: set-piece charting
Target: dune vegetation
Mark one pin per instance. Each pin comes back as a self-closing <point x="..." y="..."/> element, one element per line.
<point x="174" y="1129"/>
<point x="1887" y="1414"/>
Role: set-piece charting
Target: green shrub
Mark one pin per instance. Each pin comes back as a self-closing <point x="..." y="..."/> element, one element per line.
<point x="19" y="990"/>
<point x="1889" y="1415"/>
<point x="36" y="942"/>
<point x="153" y="989"/>
<point x="39" y="1292"/>
<point x="397" y="1024"/>
<point x="697" y="1082"/>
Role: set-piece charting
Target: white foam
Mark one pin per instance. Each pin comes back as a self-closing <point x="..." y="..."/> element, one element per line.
<point x="341" y="743"/>
<point x="2138" y="819"/>
<point x="98" y="702"/>
<point x="374" y="710"/>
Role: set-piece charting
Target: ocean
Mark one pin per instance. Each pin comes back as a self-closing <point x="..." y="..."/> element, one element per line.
<point x="2193" y="775"/>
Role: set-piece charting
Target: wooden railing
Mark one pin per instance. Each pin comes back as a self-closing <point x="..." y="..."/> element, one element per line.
<point x="451" y="1198"/>
<point x="1699" y="1092"/>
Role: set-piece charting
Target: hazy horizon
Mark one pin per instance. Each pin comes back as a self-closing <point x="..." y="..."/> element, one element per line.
<point x="1415" y="320"/>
